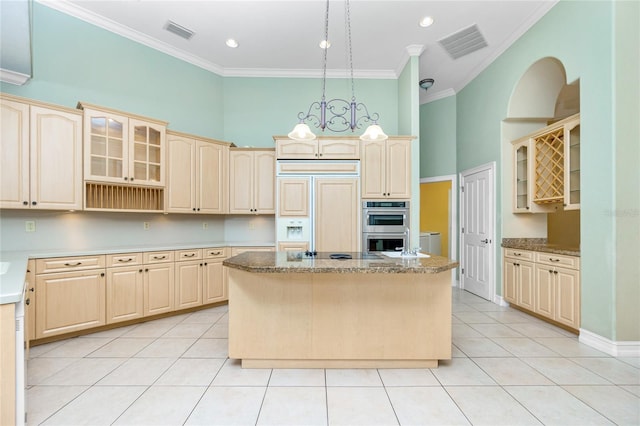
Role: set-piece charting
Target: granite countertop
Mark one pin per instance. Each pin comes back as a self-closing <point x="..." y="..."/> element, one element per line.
<point x="296" y="262"/>
<point x="539" y="244"/>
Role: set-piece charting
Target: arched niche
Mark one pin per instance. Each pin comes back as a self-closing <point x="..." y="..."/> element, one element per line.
<point x="536" y="93"/>
<point x="540" y="96"/>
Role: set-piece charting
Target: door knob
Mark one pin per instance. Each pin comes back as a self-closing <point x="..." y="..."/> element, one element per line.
<point x="487" y="241"/>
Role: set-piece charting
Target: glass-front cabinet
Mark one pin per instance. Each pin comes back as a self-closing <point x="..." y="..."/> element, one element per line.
<point x="572" y="165"/>
<point x="121" y="149"/>
<point x="546" y="168"/>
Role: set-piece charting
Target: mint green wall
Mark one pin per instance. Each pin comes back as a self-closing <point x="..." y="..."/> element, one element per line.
<point x="585" y="46"/>
<point x="256" y="109"/>
<point x="76" y="61"/>
<point x="627" y="173"/>
<point x="438" y="137"/>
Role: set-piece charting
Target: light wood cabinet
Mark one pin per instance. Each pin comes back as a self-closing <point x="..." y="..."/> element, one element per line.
<point x="30" y="302"/>
<point x="41" y="163"/>
<point x="197" y="178"/>
<point x="546" y="168"/>
<point x="188" y="280"/>
<point x="252" y="181"/>
<point x="214" y="276"/>
<point x="125" y="287"/>
<point x="287" y="246"/>
<point x="159" y="288"/>
<point x="319" y="149"/>
<point x="69" y="301"/>
<point x="123" y="148"/>
<point x="8" y="364"/>
<point x="293" y="196"/>
<point x="337" y="215"/>
<point x="386" y="169"/>
<point x="545" y="283"/>
<point x="518" y="277"/>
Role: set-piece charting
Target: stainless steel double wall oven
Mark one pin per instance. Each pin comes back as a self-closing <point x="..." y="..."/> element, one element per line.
<point x="385" y="225"/>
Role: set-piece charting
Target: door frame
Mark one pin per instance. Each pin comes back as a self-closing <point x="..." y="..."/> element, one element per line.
<point x="453" y="217"/>
<point x="491" y="168"/>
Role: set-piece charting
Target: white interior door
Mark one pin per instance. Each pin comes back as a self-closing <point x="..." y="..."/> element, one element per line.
<point x="477" y="231"/>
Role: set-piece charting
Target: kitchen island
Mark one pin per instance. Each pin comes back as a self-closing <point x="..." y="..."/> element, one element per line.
<point x="287" y="310"/>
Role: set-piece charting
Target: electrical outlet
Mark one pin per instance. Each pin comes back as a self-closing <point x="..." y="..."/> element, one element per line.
<point x="146" y="225"/>
<point x="30" y="226"/>
<point x="205" y="225"/>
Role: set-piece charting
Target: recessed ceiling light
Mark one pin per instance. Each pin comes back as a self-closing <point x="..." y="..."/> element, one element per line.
<point x="426" y="21"/>
<point x="232" y="43"/>
<point x="325" y="44"/>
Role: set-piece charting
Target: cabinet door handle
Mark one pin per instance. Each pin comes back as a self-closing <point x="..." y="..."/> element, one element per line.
<point x="126" y="178"/>
<point x="555" y="272"/>
<point x="517" y="254"/>
<point x="73" y="264"/>
<point x="27" y="302"/>
<point x="125" y="260"/>
<point x="33" y="203"/>
<point x="159" y="257"/>
<point x="26" y="203"/>
<point x="554" y="260"/>
<point x="102" y="274"/>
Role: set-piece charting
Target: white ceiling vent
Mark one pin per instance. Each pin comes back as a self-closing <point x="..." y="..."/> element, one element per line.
<point x="179" y="30"/>
<point x="463" y="42"/>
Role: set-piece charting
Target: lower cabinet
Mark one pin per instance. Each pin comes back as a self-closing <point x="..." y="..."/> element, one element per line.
<point x="69" y="301"/>
<point x="69" y="294"/>
<point x="214" y="276"/>
<point x="545" y="283"/>
<point x="188" y="281"/>
<point x="158" y="283"/>
<point x="125" y="287"/>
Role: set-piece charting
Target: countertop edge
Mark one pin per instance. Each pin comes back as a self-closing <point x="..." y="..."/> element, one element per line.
<point x="540" y="247"/>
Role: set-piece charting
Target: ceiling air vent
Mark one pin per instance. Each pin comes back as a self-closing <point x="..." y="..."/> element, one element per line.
<point x="179" y="30"/>
<point x="463" y="42"/>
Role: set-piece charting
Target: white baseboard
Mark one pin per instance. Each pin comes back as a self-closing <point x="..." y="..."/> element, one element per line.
<point x="621" y="349"/>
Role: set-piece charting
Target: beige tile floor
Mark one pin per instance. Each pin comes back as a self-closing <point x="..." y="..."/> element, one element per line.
<point x="508" y="368"/>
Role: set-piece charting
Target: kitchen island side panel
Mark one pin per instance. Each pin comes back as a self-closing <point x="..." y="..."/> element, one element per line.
<point x="329" y="317"/>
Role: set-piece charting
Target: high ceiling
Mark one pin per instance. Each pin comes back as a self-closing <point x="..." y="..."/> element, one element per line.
<point x="280" y="38"/>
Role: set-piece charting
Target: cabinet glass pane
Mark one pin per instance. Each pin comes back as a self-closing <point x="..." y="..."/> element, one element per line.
<point x="98" y="166"/>
<point x="522" y="174"/>
<point x="115" y="148"/>
<point x="154" y="154"/>
<point x="574" y="165"/>
<point x="140" y="152"/>
<point x="98" y="145"/>
<point x="140" y="171"/>
<point x="154" y="173"/>
<point x="99" y="126"/>
<point x="115" y="129"/>
<point x="154" y="136"/>
<point x="115" y="168"/>
<point x="140" y="134"/>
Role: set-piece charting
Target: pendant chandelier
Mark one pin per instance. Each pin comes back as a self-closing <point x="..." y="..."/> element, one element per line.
<point x="337" y="115"/>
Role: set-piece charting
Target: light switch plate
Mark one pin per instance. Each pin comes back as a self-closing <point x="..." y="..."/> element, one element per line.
<point x="30" y="226"/>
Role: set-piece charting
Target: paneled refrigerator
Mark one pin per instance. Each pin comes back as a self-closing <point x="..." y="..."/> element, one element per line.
<point x="318" y="206"/>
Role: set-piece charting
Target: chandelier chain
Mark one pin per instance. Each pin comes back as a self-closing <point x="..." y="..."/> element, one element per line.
<point x="326" y="48"/>
<point x="348" y="15"/>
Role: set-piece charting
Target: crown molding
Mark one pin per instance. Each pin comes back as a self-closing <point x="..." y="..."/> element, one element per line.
<point x="415" y="49"/>
<point x="100" y="21"/>
<point x="13" y="77"/>
<point x="308" y="73"/>
<point x="438" y="95"/>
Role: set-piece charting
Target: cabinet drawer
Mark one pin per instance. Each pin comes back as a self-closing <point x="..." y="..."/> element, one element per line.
<point x="124" y="259"/>
<point x="188" y="255"/>
<point x="65" y="264"/>
<point x="212" y="253"/>
<point x="518" y="254"/>
<point x="157" y="257"/>
<point x="553" y="259"/>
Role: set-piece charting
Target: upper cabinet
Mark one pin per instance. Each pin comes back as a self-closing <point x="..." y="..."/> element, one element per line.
<point x="547" y="168"/>
<point x="386" y="169"/>
<point x="121" y="148"/>
<point x="252" y="181"/>
<point x="41" y="162"/>
<point x="196" y="175"/>
<point x="319" y="149"/>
